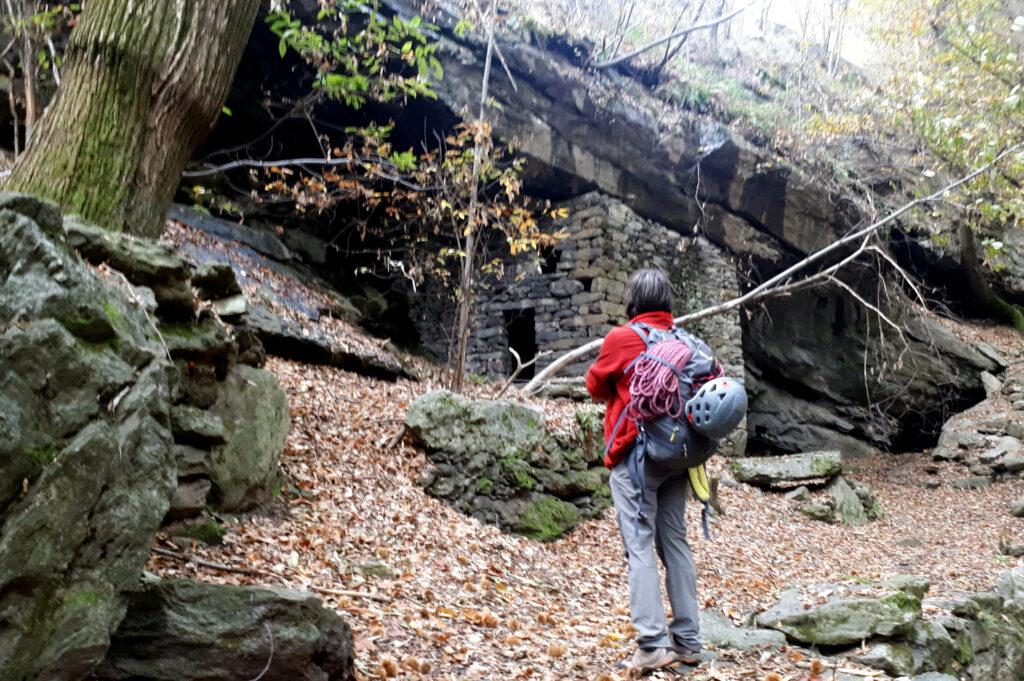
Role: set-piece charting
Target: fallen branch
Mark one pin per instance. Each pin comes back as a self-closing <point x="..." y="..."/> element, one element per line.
<point x="260" y="573"/>
<point x="672" y="36"/>
<point x="207" y="564"/>
<point x="350" y="594"/>
<point x="781" y="283"/>
<point x="519" y="369"/>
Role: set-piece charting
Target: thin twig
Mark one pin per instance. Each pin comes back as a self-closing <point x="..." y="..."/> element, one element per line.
<point x="672" y="36"/>
<point x="519" y="369"/>
<point x="206" y="563"/>
<point x="348" y="593"/>
<point x="270" y="658"/>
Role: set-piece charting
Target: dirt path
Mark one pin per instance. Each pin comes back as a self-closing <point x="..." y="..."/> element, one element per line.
<point x="467" y="602"/>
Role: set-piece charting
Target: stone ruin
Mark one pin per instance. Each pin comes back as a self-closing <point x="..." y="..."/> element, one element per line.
<point x="570" y="294"/>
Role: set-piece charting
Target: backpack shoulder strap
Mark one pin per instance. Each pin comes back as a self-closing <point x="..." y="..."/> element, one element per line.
<point x="642" y="330"/>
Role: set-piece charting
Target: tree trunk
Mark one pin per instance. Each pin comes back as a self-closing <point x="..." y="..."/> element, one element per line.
<point x="143" y="84"/>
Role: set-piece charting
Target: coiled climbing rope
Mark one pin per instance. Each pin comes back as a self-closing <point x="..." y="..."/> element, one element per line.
<point x="654" y="386"/>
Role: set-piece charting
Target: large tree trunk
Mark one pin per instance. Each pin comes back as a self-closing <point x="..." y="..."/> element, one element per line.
<point x="143" y="83"/>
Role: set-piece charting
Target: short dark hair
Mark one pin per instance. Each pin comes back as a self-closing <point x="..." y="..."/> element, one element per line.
<point x="648" y="290"/>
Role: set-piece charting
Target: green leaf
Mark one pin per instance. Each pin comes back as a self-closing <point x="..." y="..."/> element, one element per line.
<point x="282" y="48"/>
<point x="225" y="110"/>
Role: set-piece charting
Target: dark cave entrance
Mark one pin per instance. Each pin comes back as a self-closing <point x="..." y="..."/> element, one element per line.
<point x="521" y="331"/>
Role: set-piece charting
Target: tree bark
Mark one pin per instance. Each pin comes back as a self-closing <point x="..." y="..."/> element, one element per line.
<point x="143" y="84"/>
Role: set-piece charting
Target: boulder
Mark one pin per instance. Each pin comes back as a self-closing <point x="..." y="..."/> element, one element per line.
<point x="87" y="465"/>
<point x="841" y="621"/>
<point x="443" y="420"/>
<point x="496" y="461"/>
<point x="718" y="631"/>
<point x="253" y="409"/>
<point x="848" y="506"/>
<point x="188" y="631"/>
<point x="771" y="471"/>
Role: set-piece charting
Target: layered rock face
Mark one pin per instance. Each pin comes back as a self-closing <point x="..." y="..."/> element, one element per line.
<point x="85" y="447"/>
<point x="105" y="374"/>
<point x="496" y="461"/>
<point x="228" y="417"/>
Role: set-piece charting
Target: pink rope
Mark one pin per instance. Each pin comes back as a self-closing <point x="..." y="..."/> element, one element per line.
<point x="654" y="387"/>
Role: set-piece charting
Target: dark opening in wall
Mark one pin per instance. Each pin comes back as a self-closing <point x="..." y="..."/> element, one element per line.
<point x="521" y="332"/>
<point x="587" y="283"/>
<point x="548" y="260"/>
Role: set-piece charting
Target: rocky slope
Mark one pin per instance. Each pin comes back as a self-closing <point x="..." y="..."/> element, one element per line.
<point x="117" y="389"/>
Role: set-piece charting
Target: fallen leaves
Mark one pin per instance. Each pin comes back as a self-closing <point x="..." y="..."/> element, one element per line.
<point x="468" y="602"/>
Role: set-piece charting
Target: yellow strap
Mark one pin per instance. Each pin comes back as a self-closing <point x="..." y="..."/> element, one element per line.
<point x="699" y="483"/>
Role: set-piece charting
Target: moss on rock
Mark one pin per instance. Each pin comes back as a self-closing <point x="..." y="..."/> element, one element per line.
<point x="546" y="518"/>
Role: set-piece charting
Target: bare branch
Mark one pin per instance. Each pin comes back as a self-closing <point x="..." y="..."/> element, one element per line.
<point x="781" y="282"/>
<point x="519" y="369"/>
<point x="672" y="36"/>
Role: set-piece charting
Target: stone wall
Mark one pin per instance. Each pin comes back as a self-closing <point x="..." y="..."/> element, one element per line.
<point x="572" y="294"/>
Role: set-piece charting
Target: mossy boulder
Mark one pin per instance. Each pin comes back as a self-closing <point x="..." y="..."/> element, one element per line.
<point x="442" y="420"/>
<point x="496" y="460"/>
<point x="189" y="631"/>
<point x="86" y="464"/>
<point x="841" y="621"/>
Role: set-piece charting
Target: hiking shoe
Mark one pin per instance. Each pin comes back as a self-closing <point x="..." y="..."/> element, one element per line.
<point x="684" y="654"/>
<point x="648" y="661"/>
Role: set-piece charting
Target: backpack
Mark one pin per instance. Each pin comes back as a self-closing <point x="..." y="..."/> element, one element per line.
<point x="671" y="369"/>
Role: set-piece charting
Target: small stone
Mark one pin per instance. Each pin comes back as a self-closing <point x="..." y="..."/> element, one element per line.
<point x="910" y="542"/>
<point x="823" y="511"/>
<point x="1017" y="510"/>
<point x="993" y="386"/>
<point x="801" y="493"/>
<point x="234" y="306"/>
<point x="1013" y="463"/>
<point x="976" y="482"/>
<point x="1009" y="546"/>
<point x="189" y="499"/>
<point x="376" y="568"/>
<point x="911" y="584"/>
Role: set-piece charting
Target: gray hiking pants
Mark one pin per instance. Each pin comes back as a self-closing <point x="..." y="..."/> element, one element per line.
<point x="663" y="530"/>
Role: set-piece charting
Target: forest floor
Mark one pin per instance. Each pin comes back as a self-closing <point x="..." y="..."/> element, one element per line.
<point x="456" y="599"/>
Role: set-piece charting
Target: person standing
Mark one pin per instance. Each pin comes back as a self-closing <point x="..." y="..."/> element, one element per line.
<point x="660" y="529"/>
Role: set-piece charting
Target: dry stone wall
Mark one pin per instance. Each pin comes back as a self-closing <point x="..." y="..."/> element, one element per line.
<point x="557" y="300"/>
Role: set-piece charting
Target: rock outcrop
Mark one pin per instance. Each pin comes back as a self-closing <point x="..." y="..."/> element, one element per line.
<point x="87" y="460"/>
<point x="496" y="461"/>
<point x="972" y="638"/>
<point x="846" y="501"/>
<point x="985" y="444"/>
<point x="229" y="419"/>
<point x="188" y="631"/>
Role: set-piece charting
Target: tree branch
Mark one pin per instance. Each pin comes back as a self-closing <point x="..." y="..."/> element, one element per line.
<point x="781" y="282"/>
<point x="672" y="36"/>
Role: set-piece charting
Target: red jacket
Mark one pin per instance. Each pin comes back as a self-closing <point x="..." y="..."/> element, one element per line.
<point x="605" y="381"/>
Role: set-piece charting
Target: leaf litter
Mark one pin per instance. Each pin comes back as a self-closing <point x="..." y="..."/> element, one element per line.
<point x="432" y="593"/>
